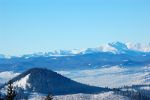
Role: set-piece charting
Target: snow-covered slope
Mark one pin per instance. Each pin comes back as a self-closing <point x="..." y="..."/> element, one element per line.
<point x="101" y="96"/>
<point x="22" y="83"/>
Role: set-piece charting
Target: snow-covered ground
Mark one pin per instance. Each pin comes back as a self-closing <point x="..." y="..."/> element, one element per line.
<point x="23" y="83"/>
<point x="7" y="75"/>
<point x="145" y="88"/>
<point x="101" y="96"/>
<point x="114" y="76"/>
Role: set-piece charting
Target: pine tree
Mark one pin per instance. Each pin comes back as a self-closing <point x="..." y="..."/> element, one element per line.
<point x="49" y="97"/>
<point x="1" y="98"/>
<point x="10" y="91"/>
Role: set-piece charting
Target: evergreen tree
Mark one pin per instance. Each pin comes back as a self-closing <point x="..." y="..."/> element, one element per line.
<point x="1" y="98"/>
<point x="49" y="97"/>
<point x="10" y="91"/>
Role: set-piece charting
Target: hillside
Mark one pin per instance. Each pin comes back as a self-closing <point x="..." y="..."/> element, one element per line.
<point x="45" y="81"/>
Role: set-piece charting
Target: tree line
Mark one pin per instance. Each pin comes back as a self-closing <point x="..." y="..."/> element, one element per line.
<point x="133" y="95"/>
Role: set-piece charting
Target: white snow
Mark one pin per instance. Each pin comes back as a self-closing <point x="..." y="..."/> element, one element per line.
<point x="107" y="48"/>
<point x="23" y="82"/>
<point x="64" y="72"/>
<point x="139" y="47"/>
<point x="102" y="48"/>
<point x="145" y="88"/>
<point x="114" y="76"/>
<point x="100" y="96"/>
<point x="6" y="76"/>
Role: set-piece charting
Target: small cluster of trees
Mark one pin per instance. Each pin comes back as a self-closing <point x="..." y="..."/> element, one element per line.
<point x="49" y="97"/>
<point x="12" y="94"/>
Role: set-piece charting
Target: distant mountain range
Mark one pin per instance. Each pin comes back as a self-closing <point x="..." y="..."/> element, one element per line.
<point x="45" y="81"/>
<point x="108" y="55"/>
<point x="115" y="47"/>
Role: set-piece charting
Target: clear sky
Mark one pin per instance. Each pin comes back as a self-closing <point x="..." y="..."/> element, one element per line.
<point x="28" y="26"/>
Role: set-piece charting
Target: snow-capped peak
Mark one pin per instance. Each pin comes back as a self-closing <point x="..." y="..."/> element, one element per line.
<point x="115" y="47"/>
<point x="119" y="46"/>
<point x="107" y="48"/>
<point x="139" y="47"/>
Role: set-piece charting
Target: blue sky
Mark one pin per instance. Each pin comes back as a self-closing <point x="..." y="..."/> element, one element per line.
<point x="28" y="26"/>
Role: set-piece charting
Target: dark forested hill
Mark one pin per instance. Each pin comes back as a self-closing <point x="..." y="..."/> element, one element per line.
<point x="46" y="81"/>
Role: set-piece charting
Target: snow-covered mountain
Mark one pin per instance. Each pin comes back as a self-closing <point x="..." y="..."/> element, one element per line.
<point x="46" y="81"/>
<point x="139" y="47"/>
<point x="112" y="54"/>
<point x="115" y="47"/>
